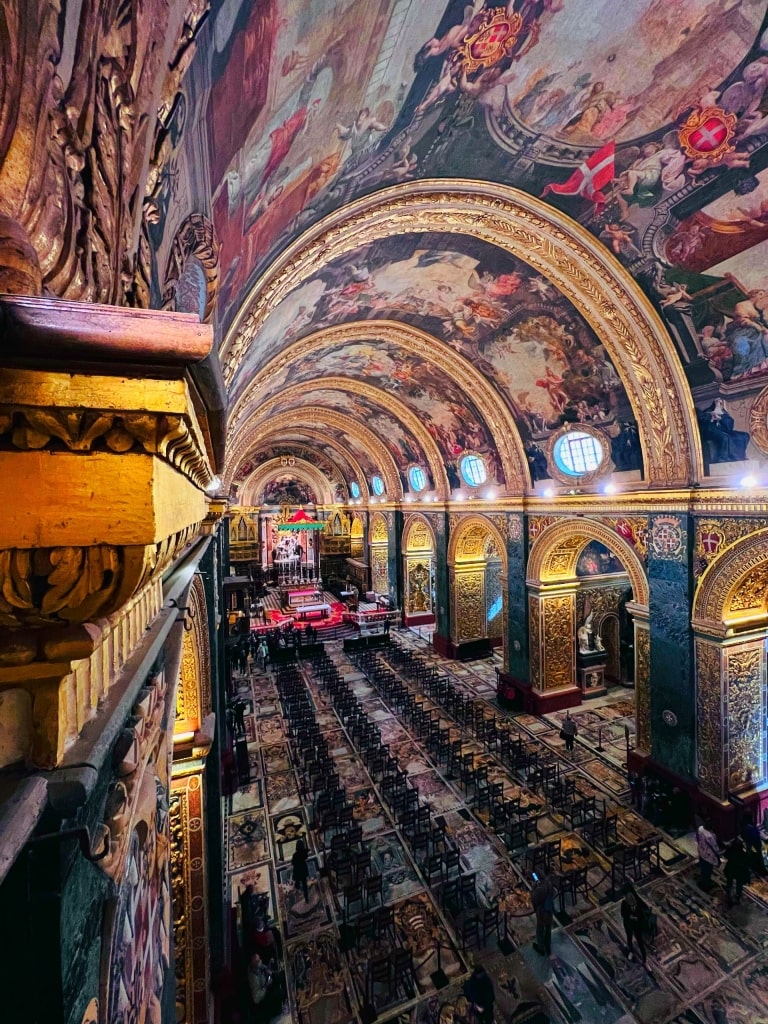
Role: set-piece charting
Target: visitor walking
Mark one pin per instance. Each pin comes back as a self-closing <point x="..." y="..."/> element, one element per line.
<point x="753" y="843"/>
<point x="568" y="731"/>
<point x="634" y="914"/>
<point x="709" y="855"/>
<point x="736" y="870"/>
<point x="300" y="869"/>
<point x="543" y="901"/>
<point x="480" y="993"/>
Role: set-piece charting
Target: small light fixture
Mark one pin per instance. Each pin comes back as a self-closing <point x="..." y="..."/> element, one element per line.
<point x="748" y="481"/>
<point x="214" y="486"/>
<point x="549" y="492"/>
<point x="490" y="494"/>
<point x="609" y="489"/>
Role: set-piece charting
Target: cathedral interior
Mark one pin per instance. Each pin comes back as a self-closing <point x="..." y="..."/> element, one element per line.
<point x="468" y="440"/>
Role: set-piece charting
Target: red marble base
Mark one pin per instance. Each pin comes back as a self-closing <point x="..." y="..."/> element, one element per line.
<point x="418" y="619"/>
<point x="555" y="700"/>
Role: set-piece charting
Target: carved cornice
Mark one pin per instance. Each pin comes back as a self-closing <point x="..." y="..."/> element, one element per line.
<point x="555" y="246"/>
<point x="41" y="586"/>
<point x="374" y="395"/>
<point x="319" y="416"/>
<point x="556" y="549"/>
<point x="499" y="420"/>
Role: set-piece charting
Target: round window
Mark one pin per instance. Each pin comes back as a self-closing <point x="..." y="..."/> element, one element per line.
<point x="418" y="478"/>
<point x="378" y="485"/>
<point x="578" y="453"/>
<point x="473" y="470"/>
<point x="354" y="489"/>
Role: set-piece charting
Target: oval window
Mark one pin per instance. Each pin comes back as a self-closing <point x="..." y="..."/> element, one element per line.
<point x="577" y="453"/>
<point x="378" y="485"/>
<point x="418" y="478"/>
<point x="354" y="489"/>
<point x="473" y="470"/>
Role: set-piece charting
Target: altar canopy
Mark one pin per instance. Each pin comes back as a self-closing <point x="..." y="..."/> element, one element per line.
<point x="300" y="521"/>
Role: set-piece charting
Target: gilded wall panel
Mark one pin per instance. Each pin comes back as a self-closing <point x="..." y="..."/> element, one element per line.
<point x="470" y="605"/>
<point x="380" y="568"/>
<point x="534" y="639"/>
<point x="713" y="535"/>
<point x="418" y="589"/>
<point x="745" y="680"/>
<point x="710" y="753"/>
<point x="559" y="651"/>
<point x="642" y="687"/>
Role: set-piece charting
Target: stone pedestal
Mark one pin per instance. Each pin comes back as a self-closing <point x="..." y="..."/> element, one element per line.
<point x="590" y="673"/>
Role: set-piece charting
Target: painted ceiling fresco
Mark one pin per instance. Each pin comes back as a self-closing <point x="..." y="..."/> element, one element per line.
<point x="646" y="121"/>
<point x="449" y="415"/>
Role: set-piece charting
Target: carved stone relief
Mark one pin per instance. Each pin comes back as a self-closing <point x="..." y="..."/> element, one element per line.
<point x="710" y="752"/>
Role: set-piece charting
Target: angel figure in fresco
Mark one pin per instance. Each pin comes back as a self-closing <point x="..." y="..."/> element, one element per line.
<point x="553" y="385"/>
<point x="618" y="236"/>
<point x="359" y="134"/>
<point x="671" y="294"/>
<point x="455" y="74"/>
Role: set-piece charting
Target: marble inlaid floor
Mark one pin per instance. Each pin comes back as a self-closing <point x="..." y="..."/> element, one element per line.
<point x="708" y="965"/>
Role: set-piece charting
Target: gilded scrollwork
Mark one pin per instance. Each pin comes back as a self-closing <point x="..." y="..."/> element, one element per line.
<point x="418" y="580"/>
<point x="552" y="244"/>
<point x="194" y="241"/>
<point x="713" y="535"/>
<point x="643" y="687"/>
<point x="417" y="534"/>
<point x="559" y="641"/>
<point x="534" y="639"/>
<point x="745" y="674"/>
<point x="178" y="818"/>
<point x="380" y="568"/>
<point x="470" y="618"/>
<point x="732" y="575"/>
<point x="710" y="751"/>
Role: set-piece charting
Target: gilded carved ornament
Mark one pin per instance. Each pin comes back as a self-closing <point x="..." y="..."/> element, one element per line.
<point x="195" y="239"/>
<point x="502" y="426"/>
<point x="379" y="529"/>
<point x="710" y="767"/>
<point x="376" y="396"/>
<point x="731" y="584"/>
<point x="745" y="674"/>
<point x="417" y="535"/>
<point x="556" y="549"/>
<point x="551" y="243"/>
<point x="468" y="537"/>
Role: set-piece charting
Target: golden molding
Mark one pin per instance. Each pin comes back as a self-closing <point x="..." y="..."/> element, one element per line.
<point x="727" y="580"/>
<point x="394" y="406"/>
<point x="547" y="560"/>
<point x="317" y="416"/>
<point x="418" y="535"/>
<point x="552" y="244"/>
<point x="758" y="421"/>
<point x="498" y="419"/>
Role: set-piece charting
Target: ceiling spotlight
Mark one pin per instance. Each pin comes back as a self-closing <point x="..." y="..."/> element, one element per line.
<point x="748" y="481"/>
<point x="609" y="489"/>
<point x="214" y="486"/>
<point x="459" y="496"/>
<point x="490" y="493"/>
<point x="549" y="492"/>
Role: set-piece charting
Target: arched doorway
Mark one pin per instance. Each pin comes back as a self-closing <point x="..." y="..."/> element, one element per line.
<point x="730" y="623"/>
<point x="477" y="565"/>
<point x="379" y="554"/>
<point x="588" y="615"/>
<point x="418" y="572"/>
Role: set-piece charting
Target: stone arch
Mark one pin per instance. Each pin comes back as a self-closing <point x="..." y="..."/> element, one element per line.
<point x="418" y="557"/>
<point x="193" y="695"/>
<point x="556" y="550"/>
<point x="418" y="534"/>
<point x="255" y="483"/>
<point x="379" y="557"/>
<point x="622" y="316"/>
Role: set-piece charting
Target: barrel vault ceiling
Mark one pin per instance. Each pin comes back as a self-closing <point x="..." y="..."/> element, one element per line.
<point x="448" y="229"/>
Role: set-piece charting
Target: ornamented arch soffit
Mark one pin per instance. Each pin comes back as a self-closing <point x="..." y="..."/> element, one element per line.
<point x="321" y="423"/>
<point x="734" y="588"/>
<point x="399" y="429"/>
<point x="417" y="534"/>
<point x="556" y="551"/>
<point x="438" y="384"/>
<point x="487" y="263"/>
<point x="328" y="452"/>
<point x="469" y="541"/>
<point x="275" y="477"/>
<point x="379" y="530"/>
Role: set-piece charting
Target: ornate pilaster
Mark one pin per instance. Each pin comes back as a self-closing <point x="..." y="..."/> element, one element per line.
<point x="552" y="619"/>
<point x="642" y="685"/>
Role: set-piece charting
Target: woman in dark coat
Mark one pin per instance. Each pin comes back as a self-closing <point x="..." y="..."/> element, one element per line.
<point x="736" y="870"/>
<point x="634" y="914"/>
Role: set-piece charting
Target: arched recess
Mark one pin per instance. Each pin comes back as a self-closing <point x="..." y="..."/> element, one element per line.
<point x="500" y="422"/>
<point x="576" y="263"/>
<point x="379" y="544"/>
<point x="253" y="486"/>
<point x="730" y="623"/>
<point x="552" y="609"/>
<point x="376" y="396"/>
<point x="193" y="695"/>
<point x="318" y="416"/>
<point x="418" y="571"/>
<point x="477" y="564"/>
<point x="253" y="443"/>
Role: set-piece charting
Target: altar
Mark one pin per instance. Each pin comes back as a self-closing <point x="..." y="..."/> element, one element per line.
<point x="322" y="608"/>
